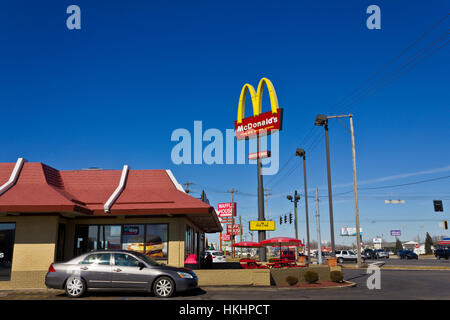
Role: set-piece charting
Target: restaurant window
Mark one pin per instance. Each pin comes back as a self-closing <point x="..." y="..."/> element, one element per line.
<point x="109" y="237"/>
<point x="133" y="238"/>
<point x="149" y="239"/>
<point x="7" y="232"/>
<point x="189" y="241"/>
<point x="156" y="237"/>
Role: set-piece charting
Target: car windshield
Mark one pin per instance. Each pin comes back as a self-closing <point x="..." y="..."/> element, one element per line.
<point x="217" y="253"/>
<point x="351" y="252"/>
<point x="149" y="260"/>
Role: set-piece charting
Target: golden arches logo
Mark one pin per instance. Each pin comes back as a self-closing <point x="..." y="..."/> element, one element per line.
<point x="259" y="122"/>
<point x="256" y="97"/>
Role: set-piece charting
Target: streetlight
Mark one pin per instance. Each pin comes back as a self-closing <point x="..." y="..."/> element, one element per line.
<point x="322" y="120"/>
<point x="301" y="153"/>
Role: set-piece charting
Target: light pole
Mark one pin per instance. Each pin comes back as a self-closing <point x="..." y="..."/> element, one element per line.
<point x="322" y="120"/>
<point x="355" y="188"/>
<point x="301" y="153"/>
<point x="319" y="245"/>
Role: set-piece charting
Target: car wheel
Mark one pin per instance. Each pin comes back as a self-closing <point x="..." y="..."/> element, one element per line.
<point x="163" y="287"/>
<point x="340" y="260"/>
<point x="75" y="287"/>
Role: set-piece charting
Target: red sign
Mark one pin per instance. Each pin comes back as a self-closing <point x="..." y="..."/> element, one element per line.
<point x="225" y="237"/>
<point x="236" y="229"/>
<point x="263" y="124"/>
<point x="227" y="209"/>
<point x="256" y="155"/>
<point x="417" y="246"/>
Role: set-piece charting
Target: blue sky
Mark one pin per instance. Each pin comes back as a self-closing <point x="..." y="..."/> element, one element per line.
<point x="113" y="92"/>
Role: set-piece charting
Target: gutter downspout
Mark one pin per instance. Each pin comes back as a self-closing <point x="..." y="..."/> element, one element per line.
<point x="118" y="191"/>
<point x="14" y="176"/>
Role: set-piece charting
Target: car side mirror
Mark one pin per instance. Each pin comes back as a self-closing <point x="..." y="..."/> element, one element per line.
<point x="141" y="265"/>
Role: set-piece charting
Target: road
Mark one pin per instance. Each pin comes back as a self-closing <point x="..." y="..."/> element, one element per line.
<point x="395" y="284"/>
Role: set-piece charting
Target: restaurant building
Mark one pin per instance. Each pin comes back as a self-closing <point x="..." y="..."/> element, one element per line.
<point x="49" y="215"/>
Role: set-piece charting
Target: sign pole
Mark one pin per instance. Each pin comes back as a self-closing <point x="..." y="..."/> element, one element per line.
<point x="319" y="246"/>
<point x="261" y="233"/>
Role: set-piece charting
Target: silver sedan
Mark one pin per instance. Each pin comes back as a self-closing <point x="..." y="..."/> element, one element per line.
<point x="118" y="270"/>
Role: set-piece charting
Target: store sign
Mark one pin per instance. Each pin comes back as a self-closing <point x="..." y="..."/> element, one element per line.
<point x="396" y="233"/>
<point x="377" y="240"/>
<point x="225" y="237"/>
<point x="262" y="225"/>
<point x="227" y="209"/>
<point x="259" y="155"/>
<point x="236" y="229"/>
<point x="260" y="123"/>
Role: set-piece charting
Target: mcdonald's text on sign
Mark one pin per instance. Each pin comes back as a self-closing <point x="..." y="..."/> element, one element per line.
<point x="227" y="209"/>
<point x="262" y="225"/>
<point x="236" y="229"/>
<point x="262" y="124"/>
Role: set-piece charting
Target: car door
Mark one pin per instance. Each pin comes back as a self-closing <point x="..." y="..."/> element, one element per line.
<point x="344" y="255"/>
<point x="95" y="269"/>
<point x="127" y="274"/>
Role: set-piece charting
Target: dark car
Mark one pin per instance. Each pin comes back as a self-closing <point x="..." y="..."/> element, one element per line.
<point x="118" y="270"/>
<point x="407" y="254"/>
<point x="442" y="253"/>
<point x="369" y="254"/>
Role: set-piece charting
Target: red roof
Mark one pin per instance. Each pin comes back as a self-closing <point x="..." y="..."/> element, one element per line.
<point x="41" y="188"/>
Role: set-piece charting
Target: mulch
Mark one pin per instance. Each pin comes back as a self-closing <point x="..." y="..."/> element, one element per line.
<point x="319" y="284"/>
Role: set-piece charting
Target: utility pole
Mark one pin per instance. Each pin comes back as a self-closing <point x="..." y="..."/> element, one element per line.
<point x="261" y="233"/>
<point x="232" y="191"/>
<point x="240" y="250"/>
<point x="187" y="184"/>
<point x="266" y="195"/>
<point x="319" y="245"/>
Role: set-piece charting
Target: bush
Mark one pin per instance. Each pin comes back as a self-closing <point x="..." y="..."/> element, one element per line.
<point x="336" y="276"/>
<point x="311" y="276"/>
<point x="291" y="280"/>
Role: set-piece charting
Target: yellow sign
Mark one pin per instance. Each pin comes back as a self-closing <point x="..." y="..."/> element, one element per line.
<point x="262" y="225"/>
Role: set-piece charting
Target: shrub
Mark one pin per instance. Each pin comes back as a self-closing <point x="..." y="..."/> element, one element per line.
<point x="336" y="276"/>
<point x="311" y="276"/>
<point x="291" y="280"/>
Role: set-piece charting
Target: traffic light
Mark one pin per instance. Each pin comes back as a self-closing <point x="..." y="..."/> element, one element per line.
<point x="290" y="218"/>
<point x="285" y="219"/>
<point x="438" y="207"/>
<point x="445" y="225"/>
<point x="281" y="220"/>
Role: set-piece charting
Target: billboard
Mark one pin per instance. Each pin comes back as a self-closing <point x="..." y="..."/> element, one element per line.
<point x="396" y="233"/>
<point x="346" y="231"/>
<point x="377" y="240"/>
<point x="227" y="209"/>
<point x="262" y="225"/>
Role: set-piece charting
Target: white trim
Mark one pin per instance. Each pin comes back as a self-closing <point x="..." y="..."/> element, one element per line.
<point x="118" y="190"/>
<point x="174" y="181"/>
<point x="14" y="176"/>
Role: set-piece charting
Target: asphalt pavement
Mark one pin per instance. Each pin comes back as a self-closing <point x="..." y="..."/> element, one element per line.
<point x="395" y="284"/>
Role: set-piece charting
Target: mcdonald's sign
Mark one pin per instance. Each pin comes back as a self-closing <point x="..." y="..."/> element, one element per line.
<point x="260" y="123"/>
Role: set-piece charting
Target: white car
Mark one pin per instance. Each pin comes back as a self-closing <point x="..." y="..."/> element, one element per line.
<point x="347" y="255"/>
<point x="218" y="256"/>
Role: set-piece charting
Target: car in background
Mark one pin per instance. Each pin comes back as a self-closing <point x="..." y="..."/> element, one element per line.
<point x="381" y="254"/>
<point x="347" y="255"/>
<point x="118" y="270"/>
<point x="217" y="256"/>
<point x="407" y="254"/>
<point x="440" y="253"/>
<point x="369" y="254"/>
